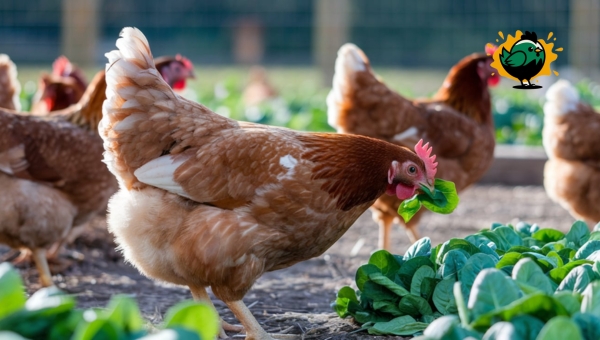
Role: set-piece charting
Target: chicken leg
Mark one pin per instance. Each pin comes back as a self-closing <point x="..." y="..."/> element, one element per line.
<point x="39" y="257"/>
<point x="411" y="230"/>
<point x="199" y="294"/>
<point x="385" y="230"/>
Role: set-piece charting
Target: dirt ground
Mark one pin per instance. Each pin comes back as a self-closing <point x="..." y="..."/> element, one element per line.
<point x="295" y="300"/>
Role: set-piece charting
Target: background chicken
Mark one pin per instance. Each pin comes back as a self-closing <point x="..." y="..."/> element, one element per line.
<point x="457" y="122"/>
<point x="258" y="89"/>
<point x="51" y="174"/>
<point x="10" y="88"/>
<point x="60" y="89"/>
<point x="175" y="70"/>
<point x="572" y="142"/>
<point x="208" y="201"/>
<point x="66" y="85"/>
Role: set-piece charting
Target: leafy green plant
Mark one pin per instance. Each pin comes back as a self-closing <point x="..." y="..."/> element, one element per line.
<point x="443" y="200"/>
<point x="518" y="282"/>
<point x="50" y="314"/>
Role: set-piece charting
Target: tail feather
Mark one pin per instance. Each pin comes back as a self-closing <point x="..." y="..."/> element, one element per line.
<point x="10" y="88"/>
<point x="561" y="98"/>
<point x="350" y="60"/>
<point x="88" y="111"/>
<point x="135" y="123"/>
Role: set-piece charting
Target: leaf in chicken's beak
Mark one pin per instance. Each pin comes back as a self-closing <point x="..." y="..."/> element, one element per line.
<point x="426" y="190"/>
<point x="408" y="208"/>
<point x="443" y="200"/>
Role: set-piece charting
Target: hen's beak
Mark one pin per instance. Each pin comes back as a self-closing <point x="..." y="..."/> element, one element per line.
<point x="537" y="50"/>
<point x="429" y="184"/>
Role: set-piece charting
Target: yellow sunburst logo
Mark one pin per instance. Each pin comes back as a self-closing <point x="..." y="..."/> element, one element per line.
<point x="523" y="58"/>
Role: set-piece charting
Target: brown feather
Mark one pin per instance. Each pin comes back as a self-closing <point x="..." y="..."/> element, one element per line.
<point x="369" y="161"/>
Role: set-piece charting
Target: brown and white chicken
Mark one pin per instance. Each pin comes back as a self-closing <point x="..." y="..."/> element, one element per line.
<point x="10" y="88"/>
<point x="209" y="201"/>
<point x="456" y="122"/>
<point x="51" y="175"/>
<point x="572" y="141"/>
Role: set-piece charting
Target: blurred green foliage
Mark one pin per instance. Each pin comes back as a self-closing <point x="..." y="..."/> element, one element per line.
<point x="518" y="115"/>
<point x="51" y="314"/>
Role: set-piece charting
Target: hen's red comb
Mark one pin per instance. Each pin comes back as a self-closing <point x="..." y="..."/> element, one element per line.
<point x="62" y="67"/>
<point x="490" y="49"/>
<point x="185" y="61"/>
<point x="424" y="152"/>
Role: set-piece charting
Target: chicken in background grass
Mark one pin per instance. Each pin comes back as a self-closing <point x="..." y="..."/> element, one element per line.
<point x="65" y="86"/>
<point x="571" y="138"/>
<point x="52" y="176"/>
<point x="258" y="89"/>
<point x="62" y="67"/>
<point x="10" y="88"/>
<point x="175" y="70"/>
<point x="456" y="122"/>
<point x="60" y="89"/>
<point x="209" y="201"/>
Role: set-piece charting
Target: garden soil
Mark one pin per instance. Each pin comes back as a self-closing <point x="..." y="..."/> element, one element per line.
<point x="295" y="300"/>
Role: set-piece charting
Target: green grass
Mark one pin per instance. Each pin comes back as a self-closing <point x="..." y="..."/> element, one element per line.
<point x="518" y="115"/>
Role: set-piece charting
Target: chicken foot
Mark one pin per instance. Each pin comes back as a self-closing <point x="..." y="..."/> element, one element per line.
<point x="200" y="294"/>
<point x="17" y="256"/>
<point x="39" y="257"/>
<point x="254" y="331"/>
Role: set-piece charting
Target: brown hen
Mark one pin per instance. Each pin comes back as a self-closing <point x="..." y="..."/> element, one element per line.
<point x="572" y="142"/>
<point x="62" y="88"/>
<point x="52" y="175"/>
<point x="457" y="122"/>
<point x="258" y="89"/>
<point x="209" y="201"/>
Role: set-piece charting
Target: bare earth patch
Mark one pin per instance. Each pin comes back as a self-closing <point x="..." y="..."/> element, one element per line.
<point x="294" y="300"/>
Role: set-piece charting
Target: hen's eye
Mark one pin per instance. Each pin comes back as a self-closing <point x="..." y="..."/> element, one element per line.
<point x="412" y="169"/>
<point x="531" y="49"/>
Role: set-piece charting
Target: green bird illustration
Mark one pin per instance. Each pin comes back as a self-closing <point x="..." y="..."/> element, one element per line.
<point x="525" y="59"/>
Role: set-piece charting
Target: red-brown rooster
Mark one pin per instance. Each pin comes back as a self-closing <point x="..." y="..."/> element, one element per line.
<point x="457" y="121"/>
<point x="209" y="201"/>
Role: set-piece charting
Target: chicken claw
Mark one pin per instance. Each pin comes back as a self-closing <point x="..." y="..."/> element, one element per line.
<point x="200" y="294"/>
<point x="253" y="329"/>
<point x="231" y="328"/>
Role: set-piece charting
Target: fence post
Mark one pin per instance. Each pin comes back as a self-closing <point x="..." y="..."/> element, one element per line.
<point x="79" y="34"/>
<point x="584" y="35"/>
<point x="330" y="31"/>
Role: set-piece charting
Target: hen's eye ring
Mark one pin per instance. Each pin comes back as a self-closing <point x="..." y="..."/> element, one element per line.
<point x="531" y="49"/>
<point x="412" y="169"/>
